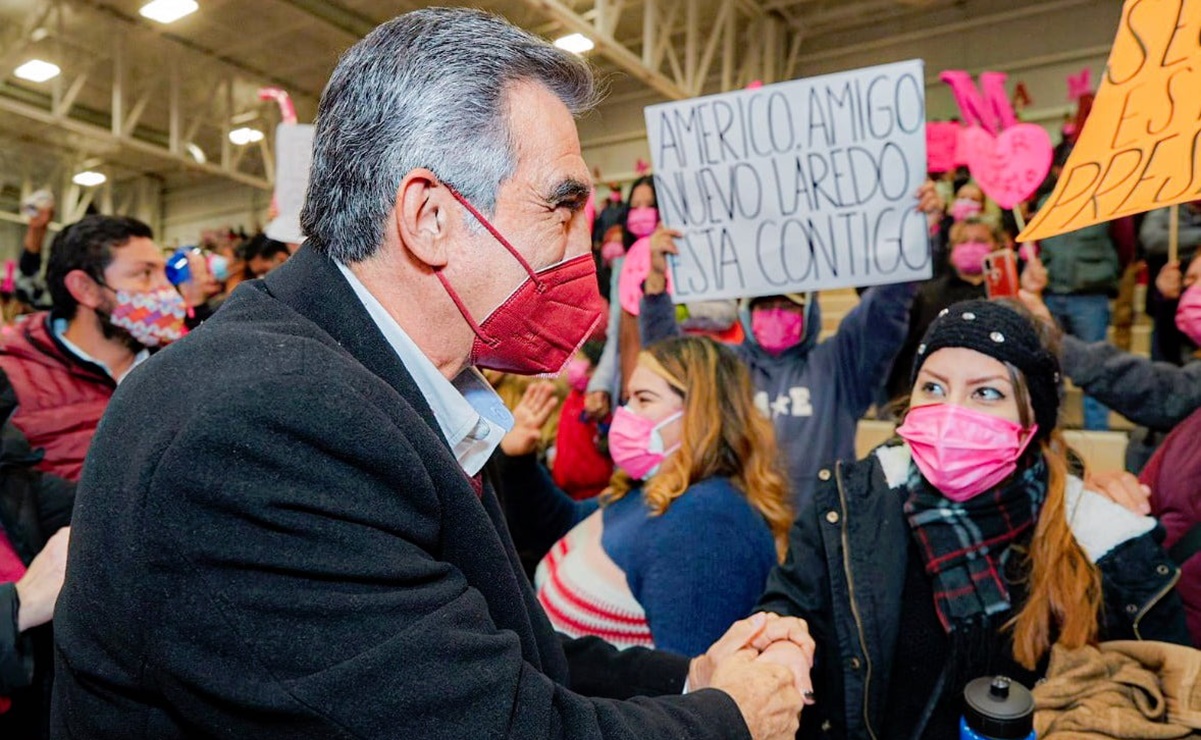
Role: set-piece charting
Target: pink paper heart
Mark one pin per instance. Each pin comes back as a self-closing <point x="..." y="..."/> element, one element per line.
<point x="1008" y="167"/>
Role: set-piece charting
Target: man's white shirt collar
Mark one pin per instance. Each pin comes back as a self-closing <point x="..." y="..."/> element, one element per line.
<point x="470" y="415"/>
<point x="60" y="331"/>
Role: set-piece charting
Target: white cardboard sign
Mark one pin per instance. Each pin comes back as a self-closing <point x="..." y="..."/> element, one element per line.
<point x="293" y="157"/>
<point x="798" y="186"/>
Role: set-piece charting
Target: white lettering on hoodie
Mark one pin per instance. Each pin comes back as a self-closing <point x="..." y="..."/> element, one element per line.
<point x="795" y="403"/>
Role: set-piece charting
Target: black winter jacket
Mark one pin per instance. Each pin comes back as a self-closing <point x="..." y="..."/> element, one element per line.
<point x="846" y="569"/>
<point x="33" y="506"/>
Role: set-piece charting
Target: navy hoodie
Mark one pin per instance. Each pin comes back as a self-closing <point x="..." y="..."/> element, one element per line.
<point x="815" y="392"/>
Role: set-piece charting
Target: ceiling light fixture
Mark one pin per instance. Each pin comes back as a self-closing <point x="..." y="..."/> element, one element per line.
<point x="168" y="11"/>
<point x="576" y="43"/>
<point x="196" y="152"/>
<point x="89" y="179"/>
<point x="37" y="70"/>
<point x="243" y="136"/>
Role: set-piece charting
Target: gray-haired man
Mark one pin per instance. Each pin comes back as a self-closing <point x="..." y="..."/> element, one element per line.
<point x="295" y="541"/>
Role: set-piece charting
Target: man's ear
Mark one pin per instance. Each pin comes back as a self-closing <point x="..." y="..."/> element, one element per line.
<point x="422" y="213"/>
<point x="84" y="289"/>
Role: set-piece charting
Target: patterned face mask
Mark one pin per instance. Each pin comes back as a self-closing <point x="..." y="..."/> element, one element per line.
<point x="152" y="317"/>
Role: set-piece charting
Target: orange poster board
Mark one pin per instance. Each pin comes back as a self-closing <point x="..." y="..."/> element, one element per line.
<point x="1141" y="147"/>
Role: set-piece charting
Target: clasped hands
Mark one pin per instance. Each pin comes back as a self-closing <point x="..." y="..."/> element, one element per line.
<point x="763" y="663"/>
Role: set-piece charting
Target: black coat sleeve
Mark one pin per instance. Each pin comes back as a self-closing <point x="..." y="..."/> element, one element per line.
<point x="56" y="498"/>
<point x="16" y="650"/>
<point x="1158" y="395"/>
<point x="599" y="669"/>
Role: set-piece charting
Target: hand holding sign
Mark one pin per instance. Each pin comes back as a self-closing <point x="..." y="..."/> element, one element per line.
<point x="1011" y="166"/>
<point x="638" y="268"/>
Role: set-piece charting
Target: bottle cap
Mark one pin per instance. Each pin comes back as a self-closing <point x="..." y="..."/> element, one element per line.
<point x="999" y="708"/>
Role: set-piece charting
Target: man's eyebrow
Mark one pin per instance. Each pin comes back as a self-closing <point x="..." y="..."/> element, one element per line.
<point x="570" y="192"/>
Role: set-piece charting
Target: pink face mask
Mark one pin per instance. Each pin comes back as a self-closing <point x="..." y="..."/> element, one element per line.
<point x="543" y="322"/>
<point x="1188" y="313"/>
<point x="577" y="373"/>
<point x="642" y="221"/>
<point x="964" y="208"/>
<point x="635" y="442"/>
<point x="968" y="257"/>
<point x="152" y="317"/>
<point x="961" y="452"/>
<point x="777" y="329"/>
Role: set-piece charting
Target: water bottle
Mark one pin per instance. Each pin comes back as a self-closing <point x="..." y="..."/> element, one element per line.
<point x="178" y="269"/>
<point x="36" y="201"/>
<point x="997" y="709"/>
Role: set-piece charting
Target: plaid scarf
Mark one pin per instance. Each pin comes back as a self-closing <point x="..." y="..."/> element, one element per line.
<point x="965" y="545"/>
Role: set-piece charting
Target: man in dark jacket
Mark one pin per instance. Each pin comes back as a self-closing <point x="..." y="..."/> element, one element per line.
<point x="107" y="279"/>
<point x="296" y="542"/>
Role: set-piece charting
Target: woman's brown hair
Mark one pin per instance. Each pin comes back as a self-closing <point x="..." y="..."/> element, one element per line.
<point x="1064" y="595"/>
<point x="724" y="434"/>
<point x="956" y="235"/>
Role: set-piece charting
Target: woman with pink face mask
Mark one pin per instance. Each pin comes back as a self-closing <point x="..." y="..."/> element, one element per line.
<point x="971" y="240"/>
<point x="622" y="343"/>
<point x="692" y="522"/>
<point x="967" y="547"/>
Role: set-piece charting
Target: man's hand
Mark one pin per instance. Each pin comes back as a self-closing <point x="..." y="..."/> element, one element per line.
<point x="763" y="664"/>
<point x="788" y="655"/>
<point x="532" y="412"/>
<point x="786" y="641"/>
<point x="1170" y="282"/>
<point x="202" y="286"/>
<point x="764" y="692"/>
<point x="930" y="202"/>
<point x="1121" y="488"/>
<point x="43" y="218"/>
<point x="663" y="243"/>
<point x="38" y="588"/>
<point x="738" y="637"/>
<point x="1034" y="276"/>
<point x="597" y="405"/>
<point x="35" y="233"/>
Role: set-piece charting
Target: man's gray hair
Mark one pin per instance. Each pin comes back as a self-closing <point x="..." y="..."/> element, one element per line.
<point x="426" y="89"/>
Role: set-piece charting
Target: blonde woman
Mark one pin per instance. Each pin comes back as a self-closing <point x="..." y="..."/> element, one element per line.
<point x="692" y="522"/>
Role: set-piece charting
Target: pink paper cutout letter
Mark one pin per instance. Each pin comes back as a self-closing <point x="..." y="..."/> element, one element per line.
<point x="1080" y="85"/>
<point x="988" y="106"/>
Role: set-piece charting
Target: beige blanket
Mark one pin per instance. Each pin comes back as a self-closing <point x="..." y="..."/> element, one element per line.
<point x="1121" y="689"/>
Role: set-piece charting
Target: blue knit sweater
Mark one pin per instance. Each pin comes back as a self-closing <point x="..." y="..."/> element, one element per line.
<point x="696" y="569"/>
